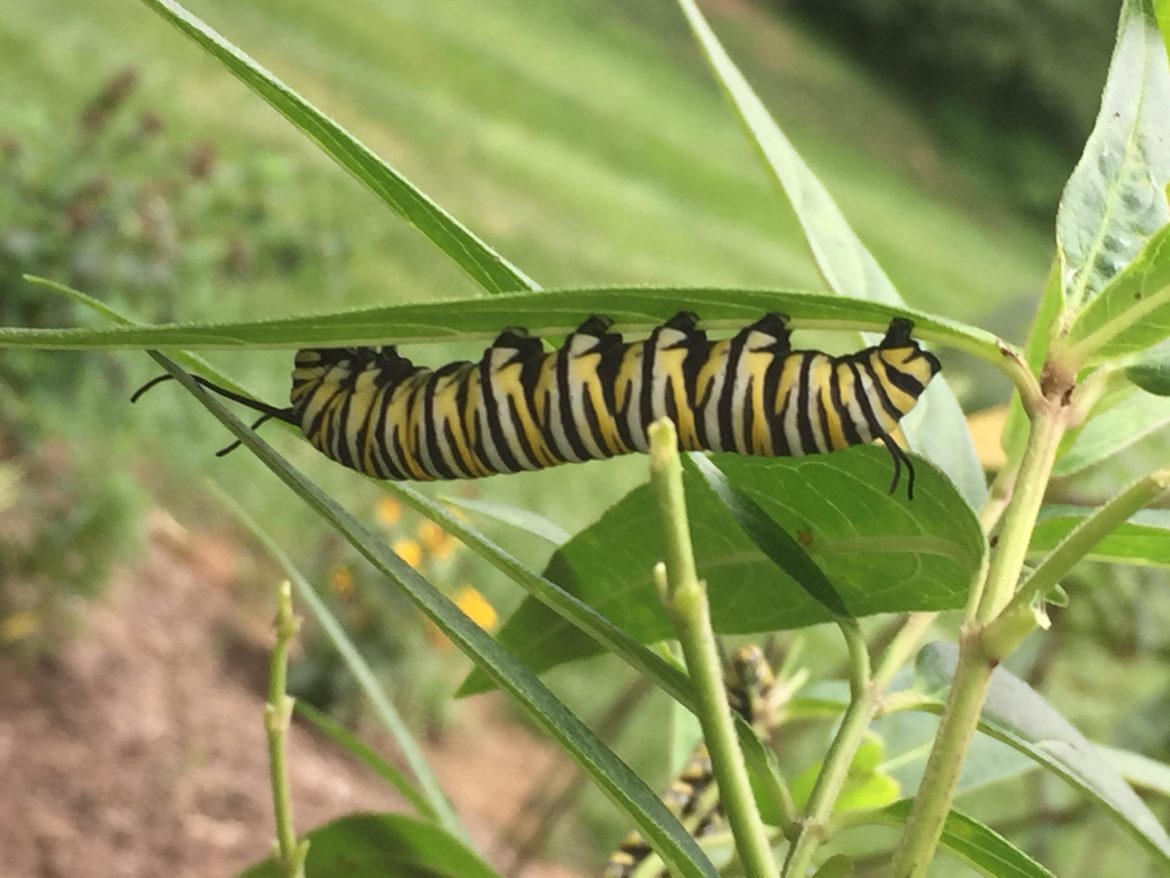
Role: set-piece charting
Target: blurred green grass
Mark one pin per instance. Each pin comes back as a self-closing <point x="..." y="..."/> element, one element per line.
<point x="583" y="139"/>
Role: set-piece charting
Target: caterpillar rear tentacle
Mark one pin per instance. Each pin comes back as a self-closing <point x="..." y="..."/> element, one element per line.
<point x="523" y="408"/>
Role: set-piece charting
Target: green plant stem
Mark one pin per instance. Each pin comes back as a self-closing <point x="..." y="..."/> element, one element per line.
<point x="1019" y="517"/>
<point x="1088" y="533"/>
<point x="277" y="713"/>
<point x="686" y="601"/>
<point x="844" y="747"/>
<point x="960" y="717"/>
<point x="933" y="801"/>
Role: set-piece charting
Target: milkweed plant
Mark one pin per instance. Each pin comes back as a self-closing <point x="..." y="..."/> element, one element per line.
<point x="744" y="545"/>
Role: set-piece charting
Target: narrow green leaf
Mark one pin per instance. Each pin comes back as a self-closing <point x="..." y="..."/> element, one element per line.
<point x="487" y="267"/>
<point x="1114" y="200"/>
<point x="1137" y="416"/>
<point x="612" y="775"/>
<point x="1018" y="715"/>
<point x="1143" y="540"/>
<point x="191" y="362"/>
<point x="937" y="430"/>
<point x="882" y="552"/>
<point x="775" y="543"/>
<point x="382" y="846"/>
<point x="365" y="754"/>
<point x="1141" y="771"/>
<point x="549" y="314"/>
<point x="972" y="842"/>
<point x="1131" y="313"/>
<point x="514" y="516"/>
<point x="436" y="800"/>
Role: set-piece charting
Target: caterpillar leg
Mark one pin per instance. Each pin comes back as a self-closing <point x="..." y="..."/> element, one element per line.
<point x="899" y="457"/>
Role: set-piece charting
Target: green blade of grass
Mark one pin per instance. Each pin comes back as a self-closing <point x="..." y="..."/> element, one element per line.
<point x="487" y="267"/>
<point x="613" y="776"/>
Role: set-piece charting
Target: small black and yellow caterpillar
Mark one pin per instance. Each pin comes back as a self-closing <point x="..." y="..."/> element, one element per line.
<point x="692" y="796"/>
<point x="522" y="408"/>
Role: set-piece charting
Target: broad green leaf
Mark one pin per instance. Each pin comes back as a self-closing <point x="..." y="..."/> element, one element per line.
<point x="1143" y="540"/>
<point x="364" y="753"/>
<point x="487" y="267"/>
<point x="937" y="430"/>
<point x="1152" y="375"/>
<point x="382" y="846"/>
<point x="1136" y="416"/>
<point x="549" y="314"/>
<point x="613" y="776"/>
<point x="974" y="843"/>
<point x="1141" y="771"/>
<point x="1132" y="313"/>
<point x="882" y="552"/>
<point x="775" y="543"/>
<point x="1018" y="715"/>
<point x="1114" y="200"/>
<point x="514" y="516"/>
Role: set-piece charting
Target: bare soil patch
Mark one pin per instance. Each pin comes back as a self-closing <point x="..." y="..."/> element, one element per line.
<point x="139" y="750"/>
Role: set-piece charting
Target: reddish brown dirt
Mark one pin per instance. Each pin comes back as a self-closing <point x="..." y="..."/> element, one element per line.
<point x="139" y="749"/>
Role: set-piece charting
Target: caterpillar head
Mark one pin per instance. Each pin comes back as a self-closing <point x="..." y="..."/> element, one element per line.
<point x="909" y="366"/>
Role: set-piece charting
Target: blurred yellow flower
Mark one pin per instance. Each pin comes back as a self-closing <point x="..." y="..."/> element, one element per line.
<point x="19" y="625"/>
<point x="341" y="581"/>
<point x="408" y="550"/>
<point x="388" y="511"/>
<point x="438" y="542"/>
<point x="477" y="608"/>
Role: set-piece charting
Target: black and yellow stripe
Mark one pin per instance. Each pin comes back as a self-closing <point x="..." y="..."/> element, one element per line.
<point x="692" y="796"/>
<point x="523" y="408"/>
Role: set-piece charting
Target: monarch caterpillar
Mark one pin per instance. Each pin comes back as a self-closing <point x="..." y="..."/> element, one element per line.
<point x="523" y="408"/>
<point x="692" y="795"/>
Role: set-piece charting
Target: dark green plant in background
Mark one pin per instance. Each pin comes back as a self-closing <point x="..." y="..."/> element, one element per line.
<point x="786" y="543"/>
